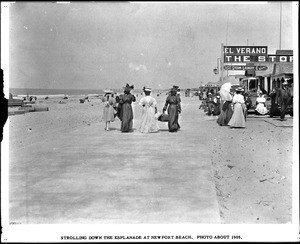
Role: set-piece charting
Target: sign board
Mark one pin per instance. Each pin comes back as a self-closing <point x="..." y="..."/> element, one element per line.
<point x="246" y="50"/>
<point x="280" y="58"/>
<point x="246" y="54"/>
<point x="242" y="67"/>
<point x="212" y="85"/>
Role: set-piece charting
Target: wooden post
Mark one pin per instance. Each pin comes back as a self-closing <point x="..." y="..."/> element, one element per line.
<point x="222" y="62"/>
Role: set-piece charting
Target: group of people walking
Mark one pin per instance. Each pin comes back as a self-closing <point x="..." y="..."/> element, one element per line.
<point x="231" y="109"/>
<point x="234" y="111"/>
<point x="235" y="106"/>
<point x="121" y="107"/>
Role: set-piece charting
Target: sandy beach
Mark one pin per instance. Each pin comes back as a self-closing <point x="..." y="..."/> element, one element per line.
<point x="252" y="167"/>
<point x="63" y="115"/>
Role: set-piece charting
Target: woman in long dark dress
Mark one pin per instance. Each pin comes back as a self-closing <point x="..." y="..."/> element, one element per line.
<point x="274" y="110"/>
<point x="226" y="112"/>
<point x="174" y="109"/>
<point x="126" y="112"/>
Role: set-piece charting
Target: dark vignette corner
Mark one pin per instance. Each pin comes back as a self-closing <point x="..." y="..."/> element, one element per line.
<point x="3" y="107"/>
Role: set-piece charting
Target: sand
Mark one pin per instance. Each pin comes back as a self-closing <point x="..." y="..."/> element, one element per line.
<point x="252" y="167"/>
<point x="32" y="127"/>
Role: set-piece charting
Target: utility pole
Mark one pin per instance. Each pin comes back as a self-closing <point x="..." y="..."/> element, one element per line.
<point x="280" y="25"/>
<point x="222" y="62"/>
<point x="227" y="38"/>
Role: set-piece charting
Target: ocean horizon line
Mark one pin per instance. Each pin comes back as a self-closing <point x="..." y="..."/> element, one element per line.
<point x="56" y="91"/>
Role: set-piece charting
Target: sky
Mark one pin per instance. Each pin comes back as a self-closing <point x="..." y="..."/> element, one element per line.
<point x="101" y="45"/>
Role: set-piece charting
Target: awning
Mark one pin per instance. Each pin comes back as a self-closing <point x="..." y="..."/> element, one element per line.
<point x="282" y="76"/>
<point x="250" y="72"/>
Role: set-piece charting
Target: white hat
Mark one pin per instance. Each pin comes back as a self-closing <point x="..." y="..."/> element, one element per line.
<point x="147" y="89"/>
<point x="285" y="82"/>
<point x="239" y="89"/>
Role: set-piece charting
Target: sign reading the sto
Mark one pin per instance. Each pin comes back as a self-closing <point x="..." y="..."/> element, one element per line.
<point x="244" y="54"/>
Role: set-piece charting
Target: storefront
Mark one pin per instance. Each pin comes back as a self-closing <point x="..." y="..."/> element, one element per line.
<point x="264" y="77"/>
<point x="282" y="72"/>
<point x="255" y="67"/>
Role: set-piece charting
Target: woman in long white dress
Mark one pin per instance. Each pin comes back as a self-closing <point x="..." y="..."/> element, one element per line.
<point x="261" y="104"/>
<point x="148" y="121"/>
<point x="238" y="117"/>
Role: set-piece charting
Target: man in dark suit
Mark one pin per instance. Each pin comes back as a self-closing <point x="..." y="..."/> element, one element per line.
<point x="285" y="96"/>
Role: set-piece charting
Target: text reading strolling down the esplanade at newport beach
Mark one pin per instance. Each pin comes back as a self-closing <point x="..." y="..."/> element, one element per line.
<point x="151" y="237"/>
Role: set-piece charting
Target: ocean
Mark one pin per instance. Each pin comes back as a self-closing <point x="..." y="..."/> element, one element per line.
<point x="30" y="91"/>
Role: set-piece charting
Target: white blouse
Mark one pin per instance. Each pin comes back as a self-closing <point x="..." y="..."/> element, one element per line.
<point x="238" y="98"/>
<point x="148" y="100"/>
<point x="261" y="100"/>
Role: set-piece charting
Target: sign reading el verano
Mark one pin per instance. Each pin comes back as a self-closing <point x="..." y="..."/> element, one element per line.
<point x="244" y="54"/>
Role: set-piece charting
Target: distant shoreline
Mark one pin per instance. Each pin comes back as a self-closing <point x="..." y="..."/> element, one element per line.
<point x="46" y="92"/>
<point x="69" y="92"/>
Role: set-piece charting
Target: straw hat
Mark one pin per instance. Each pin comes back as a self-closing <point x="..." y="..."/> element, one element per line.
<point x="147" y="89"/>
<point x="239" y="89"/>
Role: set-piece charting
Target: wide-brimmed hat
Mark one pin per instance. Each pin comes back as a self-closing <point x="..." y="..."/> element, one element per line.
<point x="239" y="89"/>
<point x="147" y="89"/>
<point x="128" y="87"/>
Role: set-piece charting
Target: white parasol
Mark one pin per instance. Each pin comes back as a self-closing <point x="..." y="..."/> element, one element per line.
<point x="224" y="91"/>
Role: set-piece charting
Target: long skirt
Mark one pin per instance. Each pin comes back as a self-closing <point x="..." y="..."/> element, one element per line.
<point x="217" y="110"/>
<point x="108" y="114"/>
<point x="238" y="118"/>
<point x="261" y="109"/>
<point x="127" y="117"/>
<point x="274" y="110"/>
<point x="225" y="115"/>
<point x="173" y="121"/>
<point x="148" y="121"/>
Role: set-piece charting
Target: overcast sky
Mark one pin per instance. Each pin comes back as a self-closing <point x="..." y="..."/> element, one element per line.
<point x="98" y="45"/>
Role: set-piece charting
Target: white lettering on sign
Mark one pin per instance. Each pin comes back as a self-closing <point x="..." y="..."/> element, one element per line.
<point x="246" y="58"/>
<point x="248" y="50"/>
<point x="261" y="59"/>
<point x="228" y="50"/>
<point x="282" y="59"/>
<point x="272" y="58"/>
<point x="257" y="58"/>
<point x="227" y="58"/>
<point x="237" y="59"/>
